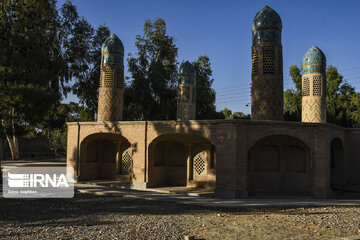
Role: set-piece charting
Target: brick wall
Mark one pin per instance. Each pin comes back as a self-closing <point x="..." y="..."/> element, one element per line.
<point x="232" y="140"/>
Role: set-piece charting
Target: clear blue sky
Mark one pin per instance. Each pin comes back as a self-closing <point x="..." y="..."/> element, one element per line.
<point x="222" y="30"/>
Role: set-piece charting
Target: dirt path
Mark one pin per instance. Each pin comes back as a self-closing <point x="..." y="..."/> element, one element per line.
<point x="98" y="217"/>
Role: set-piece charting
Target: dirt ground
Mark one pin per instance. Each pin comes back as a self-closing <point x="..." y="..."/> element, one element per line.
<point x="108" y="217"/>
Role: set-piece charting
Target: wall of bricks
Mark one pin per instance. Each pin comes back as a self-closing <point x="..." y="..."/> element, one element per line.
<point x="353" y="159"/>
<point x="232" y="140"/>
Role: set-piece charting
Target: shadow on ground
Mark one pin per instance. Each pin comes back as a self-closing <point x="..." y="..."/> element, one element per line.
<point x="32" y="212"/>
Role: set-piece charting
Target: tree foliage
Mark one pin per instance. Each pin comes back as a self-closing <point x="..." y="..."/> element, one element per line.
<point x="205" y="94"/>
<point x="341" y="97"/>
<point x="30" y="59"/>
<point x="228" y="114"/>
<point x="42" y="48"/>
<point x="292" y="98"/>
<point x="54" y="125"/>
<point x="151" y="94"/>
<point x="30" y="62"/>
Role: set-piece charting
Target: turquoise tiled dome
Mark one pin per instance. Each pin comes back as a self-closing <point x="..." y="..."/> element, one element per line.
<point x="112" y="50"/>
<point x="314" y="61"/>
<point x="314" y="55"/>
<point x="113" y="45"/>
<point x="267" y="19"/>
<point x="266" y="27"/>
<point x="187" y="73"/>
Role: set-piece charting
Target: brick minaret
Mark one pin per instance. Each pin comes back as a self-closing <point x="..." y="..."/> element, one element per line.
<point x="186" y="101"/>
<point x="267" y="70"/>
<point x="314" y="86"/>
<point x="111" y="89"/>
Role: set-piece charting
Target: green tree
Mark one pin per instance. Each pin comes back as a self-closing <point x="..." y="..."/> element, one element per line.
<point x="39" y="54"/>
<point x="151" y="93"/>
<point x="292" y="98"/>
<point x="228" y="114"/>
<point x="54" y="125"/>
<point x="29" y="63"/>
<point x="241" y="115"/>
<point x="355" y="106"/>
<point x="205" y="94"/>
<point x="336" y="113"/>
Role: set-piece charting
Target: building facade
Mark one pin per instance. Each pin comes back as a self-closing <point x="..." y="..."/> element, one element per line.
<point x="236" y="158"/>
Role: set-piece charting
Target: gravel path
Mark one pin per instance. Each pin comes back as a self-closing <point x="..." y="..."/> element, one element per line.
<point x="109" y="217"/>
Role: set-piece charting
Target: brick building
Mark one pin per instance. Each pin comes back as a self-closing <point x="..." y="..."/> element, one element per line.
<point x="236" y="158"/>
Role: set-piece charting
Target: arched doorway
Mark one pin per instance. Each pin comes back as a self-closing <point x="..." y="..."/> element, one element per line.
<point x="337" y="164"/>
<point x="105" y="156"/>
<point x="279" y="164"/>
<point x="181" y="160"/>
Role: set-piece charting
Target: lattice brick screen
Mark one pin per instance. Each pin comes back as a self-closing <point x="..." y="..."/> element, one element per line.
<point x="268" y="60"/>
<point x="255" y="61"/>
<point x="317" y="85"/>
<point x="199" y="164"/>
<point x="306" y="86"/>
<point x="108" y="81"/>
<point x="120" y="77"/>
<point x="126" y="162"/>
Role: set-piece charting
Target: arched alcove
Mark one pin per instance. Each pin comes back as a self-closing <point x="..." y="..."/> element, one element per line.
<point x="279" y="164"/>
<point x="105" y="156"/>
<point x="337" y="164"/>
<point x="181" y="160"/>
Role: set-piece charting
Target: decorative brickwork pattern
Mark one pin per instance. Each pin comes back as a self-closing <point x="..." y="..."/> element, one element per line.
<point x="268" y="60"/>
<point x="108" y="76"/>
<point x="185" y="93"/>
<point x="280" y="62"/>
<point x="313" y="110"/>
<point x="126" y="162"/>
<point x="306" y="86"/>
<point x="120" y="77"/>
<point x="101" y="77"/>
<point x="317" y="89"/>
<point x="199" y="166"/>
<point x="186" y="111"/>
<point x="110" y="104"/>
<point x="255" y="61"/>
<point x="267" y="86"/>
